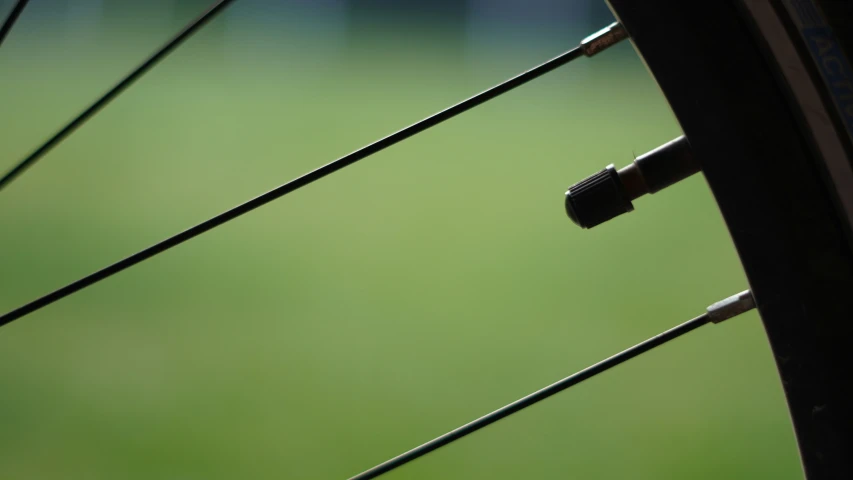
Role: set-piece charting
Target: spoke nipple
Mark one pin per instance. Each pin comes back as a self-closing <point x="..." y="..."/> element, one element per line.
<point x="608" y="193"/>
<point x="603" y="39"/>
<point x="731" y="307"/>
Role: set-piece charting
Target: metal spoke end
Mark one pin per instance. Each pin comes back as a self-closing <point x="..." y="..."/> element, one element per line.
<point x="603" y="39"/>
<point x="731" y="307"/>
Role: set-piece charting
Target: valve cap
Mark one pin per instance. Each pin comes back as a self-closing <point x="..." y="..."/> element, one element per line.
<point x="597" y="199"/>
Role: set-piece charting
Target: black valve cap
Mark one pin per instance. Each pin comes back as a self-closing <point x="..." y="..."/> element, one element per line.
<point x="597" y="199"/>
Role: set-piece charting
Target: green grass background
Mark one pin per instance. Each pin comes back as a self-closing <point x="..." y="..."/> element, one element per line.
<point x="375" y="309"/>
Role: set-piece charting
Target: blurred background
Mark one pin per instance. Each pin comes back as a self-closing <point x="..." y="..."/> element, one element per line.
<point x="382" y="306"/>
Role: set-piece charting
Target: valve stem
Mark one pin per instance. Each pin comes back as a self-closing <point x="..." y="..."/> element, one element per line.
<point x="608" y="193"/>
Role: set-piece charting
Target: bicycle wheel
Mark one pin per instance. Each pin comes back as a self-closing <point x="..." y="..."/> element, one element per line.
<point x="778" y="171"/>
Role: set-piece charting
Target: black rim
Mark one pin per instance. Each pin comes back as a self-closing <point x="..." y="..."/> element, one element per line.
<point x="779" y="211"/>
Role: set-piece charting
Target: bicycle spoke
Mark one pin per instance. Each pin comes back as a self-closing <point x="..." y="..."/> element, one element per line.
<point x="716" y="313"/>
<point x="12" y="18"/>
<point x="590" y="46"/>
<point x="112" y="93"/>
